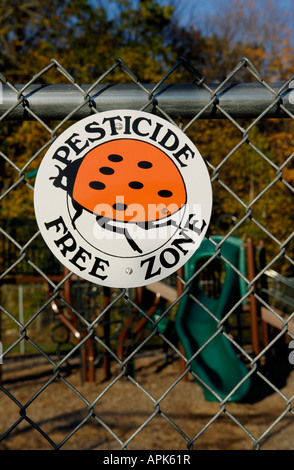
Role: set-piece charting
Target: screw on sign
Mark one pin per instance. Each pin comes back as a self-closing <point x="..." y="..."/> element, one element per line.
<point x="123" y="198"/>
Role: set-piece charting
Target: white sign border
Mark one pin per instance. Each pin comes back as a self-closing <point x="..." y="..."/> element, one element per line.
<point x="123" y="272"/>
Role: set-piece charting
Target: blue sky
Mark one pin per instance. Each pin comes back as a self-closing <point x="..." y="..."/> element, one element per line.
<point x="196" y="12"/>
<point x="189" y="7"/>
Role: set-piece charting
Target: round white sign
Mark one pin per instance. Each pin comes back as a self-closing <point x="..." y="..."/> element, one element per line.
<point x="123" y="198"/>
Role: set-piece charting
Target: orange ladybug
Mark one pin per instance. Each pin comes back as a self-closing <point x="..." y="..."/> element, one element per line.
<point x="125" y="181"/>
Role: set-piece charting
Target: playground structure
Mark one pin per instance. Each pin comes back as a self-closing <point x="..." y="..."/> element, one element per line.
<point x="190" y="313"/>
<point x="199" y="326"/>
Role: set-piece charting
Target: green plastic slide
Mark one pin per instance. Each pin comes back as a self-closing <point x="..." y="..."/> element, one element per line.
<point x="218" y="364"/>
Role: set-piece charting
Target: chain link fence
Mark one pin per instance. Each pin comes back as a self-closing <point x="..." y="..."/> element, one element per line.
<point x="124" y="368"/>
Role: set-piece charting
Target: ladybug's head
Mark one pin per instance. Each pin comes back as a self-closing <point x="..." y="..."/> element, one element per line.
<point x="66" y="177"/>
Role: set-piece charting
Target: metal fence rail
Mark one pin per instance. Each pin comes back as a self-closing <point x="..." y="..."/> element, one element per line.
<point x="52" y="106"/>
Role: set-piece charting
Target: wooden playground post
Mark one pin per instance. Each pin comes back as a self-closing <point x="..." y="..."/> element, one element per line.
<point x="1" y="347"/>
<point x="106" y="334"/>
<point x="67" y="296"/>
<point x="263" y="285"/>
<point x="250" y="259"/>
<point x="180" y="288"/>
<point x="88" y="350"/>
<point x="88" y="358"/>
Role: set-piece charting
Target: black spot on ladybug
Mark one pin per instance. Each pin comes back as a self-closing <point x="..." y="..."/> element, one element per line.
<point x="136" y="185"/>
<point x="165" y="193"/>
<point x="120" y="206"/>
<point x="115" y="158"/>
<point x="106" y="170"/>
<point x="97" y="185"/>
<point x="144" y="164"/>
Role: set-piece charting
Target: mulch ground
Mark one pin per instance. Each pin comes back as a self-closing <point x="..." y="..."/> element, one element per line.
<point x="126" y="412"/>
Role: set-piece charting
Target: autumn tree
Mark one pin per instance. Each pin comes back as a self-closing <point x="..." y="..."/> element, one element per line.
<point x="258" y="31"/>
<point x="86" y="37"/>
<point x="86" y="40"/>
